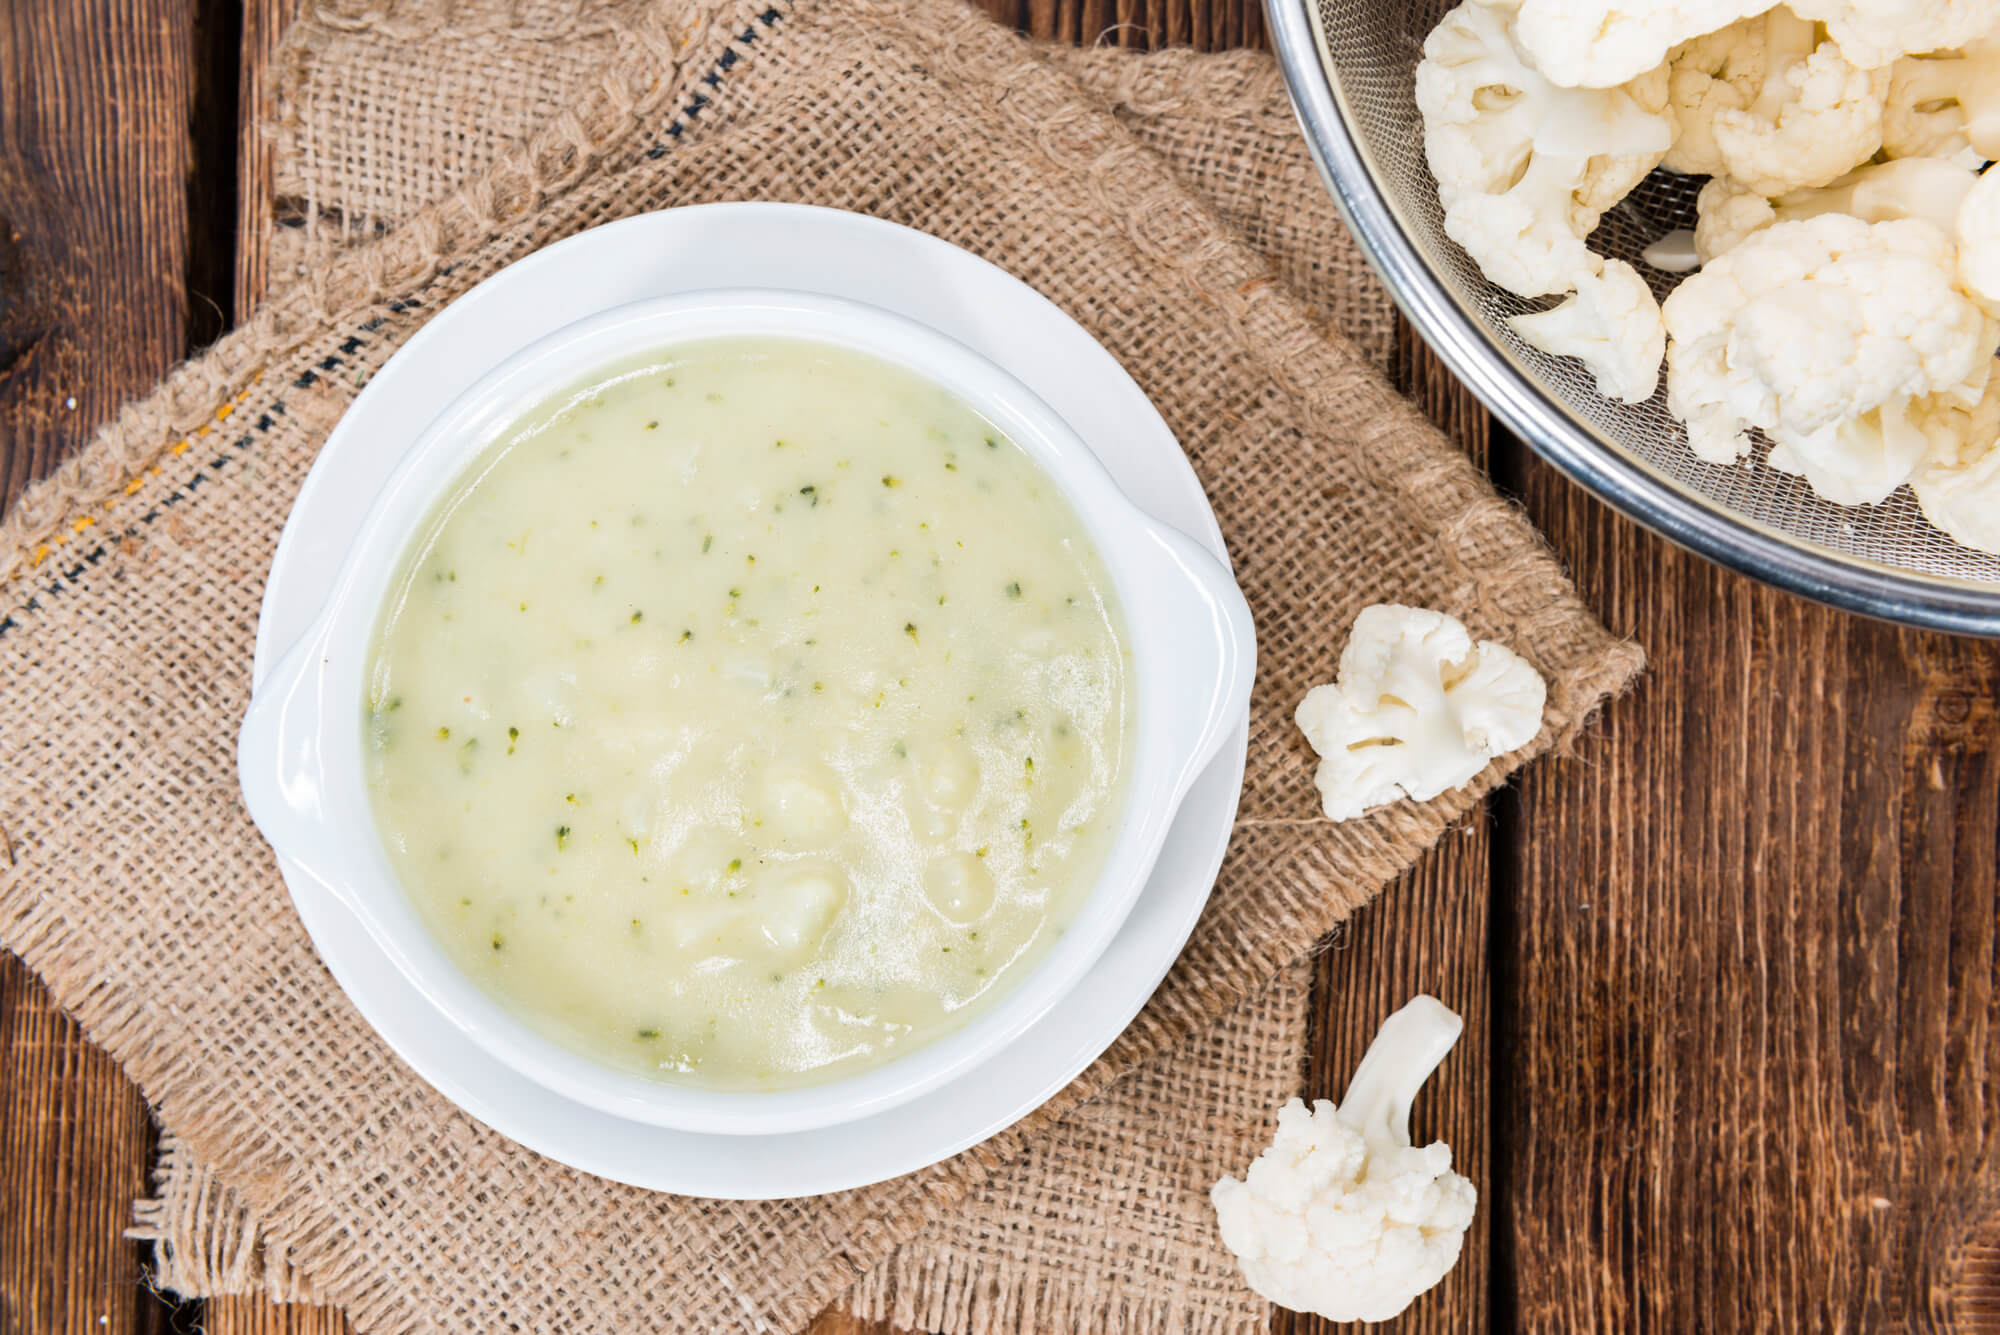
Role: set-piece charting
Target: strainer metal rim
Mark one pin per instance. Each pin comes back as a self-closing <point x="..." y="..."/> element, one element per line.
<point x="1575" y="447"/>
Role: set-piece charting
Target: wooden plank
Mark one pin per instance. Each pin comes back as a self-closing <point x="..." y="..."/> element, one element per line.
<point x="264" y="25"/>
<point x="1747" y="938"/>
<point x="93" y="154"/>
<point x="260" y="1316"/>
<point x="98" y="102"/>
<point x="75" y="1147"/>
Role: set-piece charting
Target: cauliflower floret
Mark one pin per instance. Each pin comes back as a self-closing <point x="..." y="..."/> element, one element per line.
<point x="1821" y="332"/>
<point x="1343" y="1216"/>
<point x="1725" y="213"/>
<point x="1770" y="105"/>
<point x="1959" y="483"/>
<point x="1964" y="503"/>
<point x="1612" y="325"/>
<point x="1727" y="70"/>
<point x="1417" y="709"/>
<point x="1526" y="168"/>
<point x="1874" y="33"/>
<point x="1603" y="43"/>
<point x="1960" y="427"/>
<point x="1978" y="229"/>
<point x="1859" y="460"/>
<point x="1946" y="104"/>
<point x="1927" y="188"/>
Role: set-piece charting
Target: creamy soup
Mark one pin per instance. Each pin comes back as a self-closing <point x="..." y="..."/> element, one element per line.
<point x="749" y="716"/>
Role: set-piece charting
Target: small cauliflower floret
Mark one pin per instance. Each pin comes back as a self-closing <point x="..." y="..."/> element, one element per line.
<point x="1978" y="233"/>
<point x="1417" y="709"/>
<point x="1603" y="43"/>
<point x="1526" y="168"/>
<point x="1946" y="104"/>
<point x="1874" y="33"/>
<point x="1858" y="461"/>
<point x="1927" y="188"/>
<point x="1958" y="485"/>
<point x="1959" y="428"/>
<point x="1726" y="213"/>
<point x="1821" y="333"/>
<point x="1343" y="1216"/>
<point x="1773" y="107"/>
<point x="1726" y="71"/>
<point x="1612" y="325"/>
<point x="803" y="804"/>
<point x="1964" y="502"/>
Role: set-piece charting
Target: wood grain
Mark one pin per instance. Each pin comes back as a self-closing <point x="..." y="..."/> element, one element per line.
<point x="264" y="24"/>
<point x="1748" y="965"/>
<point x="1142" y="24"/>
<point x="95" y="156"/>
<point x="260" y="1316"/>
<point x="76" y="1144"/>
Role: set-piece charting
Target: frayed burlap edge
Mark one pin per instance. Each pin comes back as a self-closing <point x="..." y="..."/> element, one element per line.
<point x="206" y="1241"/>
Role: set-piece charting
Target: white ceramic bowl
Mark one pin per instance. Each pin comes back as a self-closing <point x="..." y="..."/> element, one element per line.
<point x="300" y="751"/>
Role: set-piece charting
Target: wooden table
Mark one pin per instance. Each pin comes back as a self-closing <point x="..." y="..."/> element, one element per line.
<point x="1728" y="972"/>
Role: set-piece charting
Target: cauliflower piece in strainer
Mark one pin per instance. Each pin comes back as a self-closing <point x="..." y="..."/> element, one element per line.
<point x="1612" y="324"/>
<point x="1874" y="33"/>
<point x="1770" y="105"/>
<point x="1526" y="168"/>
<point x="1978" y="234"/>
<point x="1603" y="43"/>
<point x="1823" y="333"/>
<point x="1928" y="188"/>
<point x="1958" y="485"/>
<point x="1946" y="104"/>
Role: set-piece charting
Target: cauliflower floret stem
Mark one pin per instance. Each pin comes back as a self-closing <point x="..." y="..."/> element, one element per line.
<point x="1407" y="1049"/>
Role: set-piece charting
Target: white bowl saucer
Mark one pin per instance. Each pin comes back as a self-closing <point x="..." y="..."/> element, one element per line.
<point x="811" y="250"/>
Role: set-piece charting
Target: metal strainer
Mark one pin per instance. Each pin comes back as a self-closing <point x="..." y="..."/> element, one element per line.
<point x="1350" y="66"/>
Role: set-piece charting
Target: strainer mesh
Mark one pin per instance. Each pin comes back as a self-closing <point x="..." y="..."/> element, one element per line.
<point x="1370" y="52"/>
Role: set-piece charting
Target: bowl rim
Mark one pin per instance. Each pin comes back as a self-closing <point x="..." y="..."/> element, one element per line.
<point x="294" y="722"/>
<point x="1575" y="446"/>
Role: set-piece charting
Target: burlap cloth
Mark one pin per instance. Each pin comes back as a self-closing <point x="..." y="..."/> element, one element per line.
<point x="1165" y="203"/>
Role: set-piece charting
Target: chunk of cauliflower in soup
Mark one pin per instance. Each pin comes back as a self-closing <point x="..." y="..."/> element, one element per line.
<point x="750" y="715"/>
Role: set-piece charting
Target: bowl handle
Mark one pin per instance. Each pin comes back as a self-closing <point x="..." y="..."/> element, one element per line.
<point x="1209" y="681"/>
<point x="279" y="764"/>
